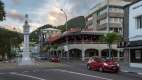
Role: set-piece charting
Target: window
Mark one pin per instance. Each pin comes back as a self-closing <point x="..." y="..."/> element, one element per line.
<point x="103" y="21"/>
<point x="115" y="29"/>
<point x="116" y="10"/>
<point x="137" y="54"/>
<point x="139" y="22"/>
<point x="115" y="19"/>
<point x="102" y="12"/>
<point x="111" y="19"/>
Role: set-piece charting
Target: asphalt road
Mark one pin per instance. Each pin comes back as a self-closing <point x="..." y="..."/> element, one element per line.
<point x="71" y="71"/>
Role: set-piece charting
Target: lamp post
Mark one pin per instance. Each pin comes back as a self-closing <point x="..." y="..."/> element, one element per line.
<point x="66" y="25"/>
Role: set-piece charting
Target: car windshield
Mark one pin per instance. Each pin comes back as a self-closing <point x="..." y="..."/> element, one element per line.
<point x="107" y="59"/>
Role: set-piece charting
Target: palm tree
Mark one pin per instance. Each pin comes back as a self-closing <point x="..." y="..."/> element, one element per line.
<point x="111" y="38"/>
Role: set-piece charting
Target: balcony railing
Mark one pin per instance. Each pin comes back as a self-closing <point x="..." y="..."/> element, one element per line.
<point x="83" y="43"/>
<point x="122" y="44"/>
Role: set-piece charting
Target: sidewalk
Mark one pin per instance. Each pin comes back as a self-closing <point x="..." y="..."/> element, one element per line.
<point x="8" y="65"/>
<point x="126" y="68"/>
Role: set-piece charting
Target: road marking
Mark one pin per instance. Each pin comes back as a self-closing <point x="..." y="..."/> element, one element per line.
<point x="139" y="73"/>
<point x="124" y="71"/>
<point x="18" y="74"/>
<point x="81" y="74"/>
<point x="35" y="70"/>
<point x="25" y="71"/>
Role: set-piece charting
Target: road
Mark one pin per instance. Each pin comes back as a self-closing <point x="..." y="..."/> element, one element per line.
<point x="71" y="71"/>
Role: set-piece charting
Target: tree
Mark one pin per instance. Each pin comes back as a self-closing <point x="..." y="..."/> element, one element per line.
<point x="62" y="28"/>
<point x="111" y="38"/>
<point x="8" y="39"/>
<point x="2" y="11"/>
<point x="77" y="22"/>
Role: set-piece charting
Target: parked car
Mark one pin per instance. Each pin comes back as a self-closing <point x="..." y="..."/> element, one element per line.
<point x="55" y="59"/>
<point x="107" y="65"/>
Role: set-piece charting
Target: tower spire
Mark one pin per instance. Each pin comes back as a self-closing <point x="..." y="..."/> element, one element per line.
<point x="26" y="18"/>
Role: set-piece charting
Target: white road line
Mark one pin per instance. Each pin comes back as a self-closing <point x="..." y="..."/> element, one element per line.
<point x="25" y="71"/>
<point x="124" y="71"/>
<point x="35" y="71"/>
<point x="18" y="74"/>
<point x="140" y="73"/>
<point x="81" y="74"/>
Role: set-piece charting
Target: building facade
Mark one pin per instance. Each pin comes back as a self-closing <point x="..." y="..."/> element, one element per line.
<point x="82" y="45"/>
<point x="133" y="34"/>
<point x="98" y="20"/>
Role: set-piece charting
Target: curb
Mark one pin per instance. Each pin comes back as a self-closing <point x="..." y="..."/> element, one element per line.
<point x="126" y="71"/>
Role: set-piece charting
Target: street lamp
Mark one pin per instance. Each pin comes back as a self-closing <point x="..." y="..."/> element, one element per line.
<point x="66" y="47"/>
<point x="65" y="17"/>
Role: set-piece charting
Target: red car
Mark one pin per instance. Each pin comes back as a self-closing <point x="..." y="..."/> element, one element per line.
<point x="107" y="65"/>
<point x="55" y="59"/>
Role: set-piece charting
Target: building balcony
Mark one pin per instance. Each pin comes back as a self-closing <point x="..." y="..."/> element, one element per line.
<point x="111" y="14"/>
<point x="112" y="25"/>
<point x="122" y="44"/>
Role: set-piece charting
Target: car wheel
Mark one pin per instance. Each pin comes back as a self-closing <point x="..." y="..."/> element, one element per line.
<point x="117" y="71"/>
<point x="101" y="69"/>
<point x="88" y="67"/>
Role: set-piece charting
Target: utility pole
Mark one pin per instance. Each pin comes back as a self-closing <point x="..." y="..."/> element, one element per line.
<point x="108" y="24"/>
<point x="108" y="27"/>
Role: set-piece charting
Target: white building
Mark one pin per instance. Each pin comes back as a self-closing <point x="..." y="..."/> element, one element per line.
<point x="135" y="33"/>
<point x="97" y="18"/>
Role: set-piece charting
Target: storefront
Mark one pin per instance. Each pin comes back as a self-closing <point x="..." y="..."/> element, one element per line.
<point x="136" y="57"/>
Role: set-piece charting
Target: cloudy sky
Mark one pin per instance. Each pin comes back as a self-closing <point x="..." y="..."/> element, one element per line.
<point x="44" y="11"/>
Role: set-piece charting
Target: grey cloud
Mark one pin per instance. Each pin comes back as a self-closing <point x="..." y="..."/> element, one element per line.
<point x="80" y="7"/>
<point x="16" y="1"/>
<point x="16" y="16"/>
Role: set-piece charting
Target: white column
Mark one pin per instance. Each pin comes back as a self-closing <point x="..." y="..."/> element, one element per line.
<point x="83" y="54"/>
<point x="118" y="55"/>
<point x="100" y="54"/>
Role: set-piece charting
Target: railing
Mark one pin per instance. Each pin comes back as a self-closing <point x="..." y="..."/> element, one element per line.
<point x="84" y="43"/>
<point x="122" y="44"/>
